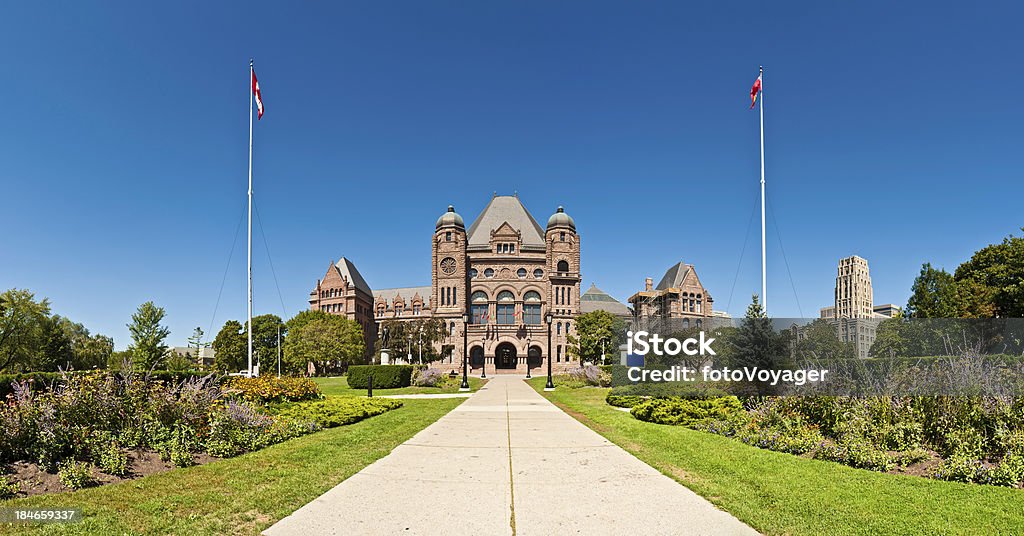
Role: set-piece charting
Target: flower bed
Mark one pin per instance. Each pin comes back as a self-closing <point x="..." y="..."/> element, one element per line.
<point x="100" y="427"/>
<point x="967" y="439"/>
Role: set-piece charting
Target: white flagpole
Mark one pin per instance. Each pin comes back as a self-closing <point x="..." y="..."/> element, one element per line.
<point x="249" y="260"/>
<point x="764" y="276"/>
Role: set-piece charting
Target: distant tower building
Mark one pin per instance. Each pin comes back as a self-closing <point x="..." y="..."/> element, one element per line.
<point x="854" y="297"/>
<point x="854" y="310"/>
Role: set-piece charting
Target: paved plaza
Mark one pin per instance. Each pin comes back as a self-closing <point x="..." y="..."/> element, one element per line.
<point x="507" y="461"/>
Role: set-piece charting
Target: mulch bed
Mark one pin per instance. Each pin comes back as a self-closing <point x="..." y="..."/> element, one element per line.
<point x="33" y="480"/>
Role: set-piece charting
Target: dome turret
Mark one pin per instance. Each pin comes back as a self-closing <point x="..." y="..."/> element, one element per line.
<point x="450" y="219"/>
<point x="561" y="219"/>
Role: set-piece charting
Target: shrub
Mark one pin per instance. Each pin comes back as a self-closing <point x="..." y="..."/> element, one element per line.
<point x="182" y="443"/>
<point x="425" y="377"/>
<point x="384" y="376"/>
<point x="670" y="390"/>
<point x="268" y="389"/>
<point x="75" y="474"/>
<point x="686" y="412"/>
<point x="587" y="375"/>
<point x="237" y="427"/>
<point x="108" y="455"/>
<point x="8" y="489"/>
<point x="856" y="454"/>
<point x="623" y="401"/>
<point x="960" y="469"/>
<point x="1009" y="472"/>
<point x="338" y="411"/>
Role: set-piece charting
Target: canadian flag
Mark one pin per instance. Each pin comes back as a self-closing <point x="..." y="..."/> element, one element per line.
<point x="256" y="93"/>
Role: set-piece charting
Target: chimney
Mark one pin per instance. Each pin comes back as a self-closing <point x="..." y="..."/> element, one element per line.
<point x="648" y="284"/>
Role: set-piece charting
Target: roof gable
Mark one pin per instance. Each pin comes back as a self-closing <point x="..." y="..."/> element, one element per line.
<point x="348" y="270"/>
<point x="505" y="209"/>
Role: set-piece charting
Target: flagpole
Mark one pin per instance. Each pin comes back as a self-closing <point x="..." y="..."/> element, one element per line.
<point x="249" y="260"/>
<point x="764" y="276"/>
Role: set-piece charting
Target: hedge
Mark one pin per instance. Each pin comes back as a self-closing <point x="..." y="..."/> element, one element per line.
<point x="384" y="376"/>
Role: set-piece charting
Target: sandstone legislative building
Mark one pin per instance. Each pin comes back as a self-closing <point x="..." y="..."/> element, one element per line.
<point x="506" y="288"/>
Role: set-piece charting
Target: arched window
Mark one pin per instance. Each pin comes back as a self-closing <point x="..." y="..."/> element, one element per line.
<point x="478" y="309"/>
<point x="686" y="323"/>
<point x="506" y="310"/>
<point x="531" y="307"/>
<point x="558" y="328"/>
<point x="563" y="266"/>
<point x="699" y="324"/>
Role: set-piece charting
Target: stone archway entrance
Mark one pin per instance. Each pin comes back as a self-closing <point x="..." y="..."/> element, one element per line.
<point x="505" y="356"/>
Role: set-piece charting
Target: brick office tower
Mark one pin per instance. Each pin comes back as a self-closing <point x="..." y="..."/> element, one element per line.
<point x="504" y="273"/>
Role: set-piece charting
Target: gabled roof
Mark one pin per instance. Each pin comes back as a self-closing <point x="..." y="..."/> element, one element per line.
<point x="501" y="209"/>
<point x="674" y="277"/>
<point x="595" y="299"/>
<point x="349" y="271"/>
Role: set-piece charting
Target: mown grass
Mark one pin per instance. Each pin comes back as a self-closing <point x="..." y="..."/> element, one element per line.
<point x="779" y="493"/>
<point x="242" y="495"/>
<point x="338" y="386"/>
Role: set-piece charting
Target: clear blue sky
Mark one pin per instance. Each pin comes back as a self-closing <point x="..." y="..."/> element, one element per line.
<point x="893" y="131"/>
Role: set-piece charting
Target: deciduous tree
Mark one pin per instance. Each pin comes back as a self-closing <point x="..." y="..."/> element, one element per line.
<point x="148" y="336"/>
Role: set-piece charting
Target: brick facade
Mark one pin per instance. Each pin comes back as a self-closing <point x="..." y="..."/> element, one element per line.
<point x="504" y="274"/>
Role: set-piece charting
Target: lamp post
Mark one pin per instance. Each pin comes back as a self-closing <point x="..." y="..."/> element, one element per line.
<point x="528" y="341"/>
<point x="408" y="353"/>
<point x="383" y="344"/>
<point x="550" y="386"/>
<point x="465" y="353"/>
<point x="421" y="345"/>
<point x="603" y="340"/>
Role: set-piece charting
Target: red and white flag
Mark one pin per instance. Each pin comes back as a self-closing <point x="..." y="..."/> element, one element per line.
<point x="753" y="91"/>
<point x="256" y="93"/>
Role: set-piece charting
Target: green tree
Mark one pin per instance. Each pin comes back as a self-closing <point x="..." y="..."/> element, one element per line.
<point x="757" y="344"/>
<point x="821" y="341"/>
<point x="890" y="339"/>
<point x="992" y="281"/>
<point x="230" y="348"/>
<point x="148" y="336"/>
<point x="23" y="329"/>
<point x="591" y="329"/>
<point x="328" y="342"/>
<point x="264" y="340"/>
<point x="932" y="295"/>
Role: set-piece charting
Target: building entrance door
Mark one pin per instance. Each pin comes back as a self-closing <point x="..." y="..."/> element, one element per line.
<point x="505" y="356"/>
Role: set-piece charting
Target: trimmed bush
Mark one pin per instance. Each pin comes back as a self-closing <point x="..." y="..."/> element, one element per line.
<point x="269" y="389"/>
<point x="338" y="411"/>
<point x="686" y="412"/>
<point x="623" y="401"/>
<point x="384" y="376"/>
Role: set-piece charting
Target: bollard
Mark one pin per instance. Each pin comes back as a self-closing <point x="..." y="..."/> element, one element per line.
<point x="369" y="386"/>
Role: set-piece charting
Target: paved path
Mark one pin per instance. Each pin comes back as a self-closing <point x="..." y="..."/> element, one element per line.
<point x="507" y="461"/>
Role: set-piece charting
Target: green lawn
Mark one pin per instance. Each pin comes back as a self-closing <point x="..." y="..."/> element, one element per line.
<point x="242" y="495"/>
<point x="338" y="386"/>
<point x="779" y="493"/>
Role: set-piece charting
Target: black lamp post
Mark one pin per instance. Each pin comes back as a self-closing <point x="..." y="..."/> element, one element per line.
<point x="465" y="353"/>
<point x="550" y="386"/>
<point x="483" y="364"/>
<point x="528" y="341"/>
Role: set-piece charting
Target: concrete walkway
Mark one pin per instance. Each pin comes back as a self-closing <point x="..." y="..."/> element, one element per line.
<point x="507" y="461"/>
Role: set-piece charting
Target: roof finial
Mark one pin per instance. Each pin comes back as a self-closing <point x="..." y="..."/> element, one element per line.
<point x="451" y="208"/>
<point x="561" y="209"/>
<point x="495" y="194"/>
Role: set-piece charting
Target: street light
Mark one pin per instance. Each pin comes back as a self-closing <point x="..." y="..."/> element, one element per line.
<point x="528" y="340"/>
<point x="408" y="354"/>
<point x="550" y="386"/>
<point x="421" y="345"/>
<point x="465" y="353"/>
<point x="603" y="340"/>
